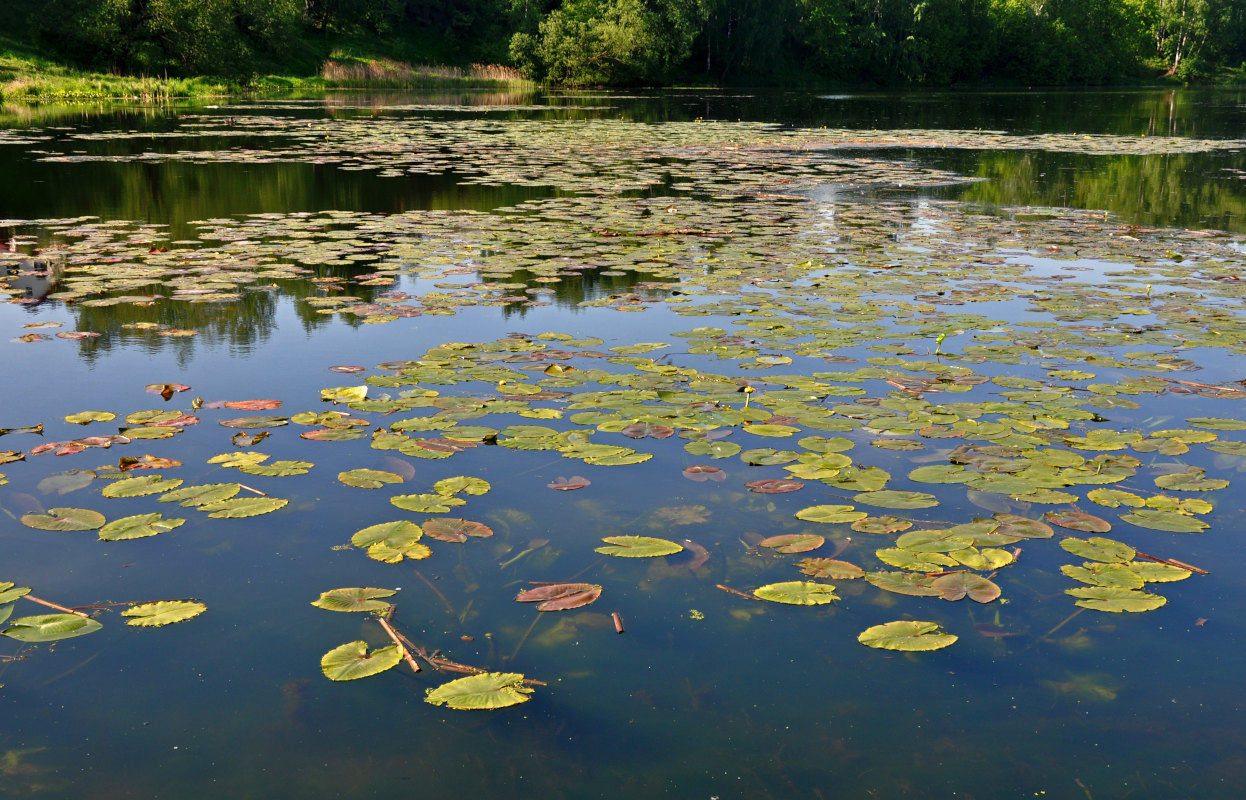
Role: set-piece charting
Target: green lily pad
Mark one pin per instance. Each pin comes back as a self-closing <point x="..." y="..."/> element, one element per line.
<point x="1078" y="521"/>
<point x="354" y="599"/>
<point x="638" y="547"/>
<point x="906" y="635"/>
<point x="65" y="519"/>
<point x="201" y="494"/>
<point x="966" y="584"/>
<point x="884" y="524"/>
<point x="1191" y="480"/>
<point x="888" y="498"/>
<point x="426" y="503"/>
<point x="487" y="690"/>
<point x="798" y="593"/>
<point x="277" y="469"/>
<point x="1115" y="498"/>
<point x="1096" y="548"/>
<point x="87" y="417"/>
<point x="1172" y="521"/>
<point x="1114" y="599"/>
<point x="242" y="507"/>
<point x="914" y="584"/>
<point x="141" y="486"/>
<point x="830" y="514"/>
<point x="1217" y="423"/>
<point x="352" y="661"/>
<point x="10" y="591"/>
<point x="137" y="527"/>
<point x="49" y="627"/>
<point x="368" y="478"/>
<point x="164" y="612"/>
<point x="461" y="483"/>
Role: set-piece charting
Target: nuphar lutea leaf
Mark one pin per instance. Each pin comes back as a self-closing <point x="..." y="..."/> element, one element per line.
<point x="638" y="547"/>
<point x="798" y="593"/>
<point x="906" y="635"/>
<point x="65" y="519"/>
<point x="352" y="661"/>
<point x="488" y="690"/>
<point x="49" y="627"/>
<point x="243" y="507"/>
<point x="138" y="527"/>
<point x="164" y="612"/>
<point x="354" y="599"/>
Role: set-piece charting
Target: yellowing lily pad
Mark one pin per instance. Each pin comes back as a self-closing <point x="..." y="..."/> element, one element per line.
<point x="798" y="593"/>
<point x="488" y="690"/>
<point x="368" y="478"/>
<point x="354" y="599"/>
<point x="906" y="635"/>
<point x="638" y="547"/>
<point x="352" y="661"/>
<point x="164" y="612"/>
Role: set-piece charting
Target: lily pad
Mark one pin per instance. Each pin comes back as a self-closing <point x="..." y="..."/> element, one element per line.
<point x="1115" y="599"/>
<point x="277" y="469"/>
<point x="880" y="525"/>
<point x="352" y="661"/>
<point x="1165" y="521"/>
<point x="354" y="599"/>
<point x="560" y="596"/>
<point x="201" y="494"/>
<point x="65" y="519"/>
<point x="966" y="584"/>
<point x="798" y="593"/>
<point x="450" y="529"/>
<point x="368" y="478"/>
<point x="1078" y="521"/>
<point x="49" y="627"/>
<point x="87" y="417"/>
<point x="242" y="507"/>
<point x="896" y="499"/>
<point x="138" y="527"/>
<point x="487" y="690"/>
<point x="906" y="635"/>
<point x="830" y="514"/>
<point x="1097" y="548"/>
<point x="829" y="568"/>
<point x="164" y="612"/>
<point x="793" y="542"/>
<point x="638" y="547"/>
<point x="141" y="486"/>
<point x="461" y="483"/>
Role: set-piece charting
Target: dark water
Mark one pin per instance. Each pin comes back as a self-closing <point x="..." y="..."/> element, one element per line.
<point x="706" y="695"/>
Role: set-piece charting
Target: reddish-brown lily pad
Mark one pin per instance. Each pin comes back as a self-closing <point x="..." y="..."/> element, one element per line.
<point x="701" y="473"/>
<point x="774" y="486"/>
<point x="1078" y="521"/>
<point x="455" y="530"/>
<point x="560" y="596"/>
<point x="794" y="542"/>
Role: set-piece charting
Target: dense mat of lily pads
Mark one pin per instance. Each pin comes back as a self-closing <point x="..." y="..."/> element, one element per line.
<point x="860" y="373"/>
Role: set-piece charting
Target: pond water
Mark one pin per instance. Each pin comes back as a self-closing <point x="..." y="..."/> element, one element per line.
<point x="941" y="342"/>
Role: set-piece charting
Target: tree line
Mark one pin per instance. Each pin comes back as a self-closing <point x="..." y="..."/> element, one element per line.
<point x="632" y="42"/>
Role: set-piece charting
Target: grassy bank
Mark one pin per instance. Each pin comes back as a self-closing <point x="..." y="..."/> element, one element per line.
<point x="27" y="77"/>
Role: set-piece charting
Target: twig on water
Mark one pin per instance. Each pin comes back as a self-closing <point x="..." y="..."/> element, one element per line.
<point x="393" y="634"/>
<point x="257" y="491"/>
<point x="34" y="599"/>
<point x="737" y="592"/>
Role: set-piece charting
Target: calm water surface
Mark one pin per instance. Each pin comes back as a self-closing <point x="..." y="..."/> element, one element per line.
<point x="706" y="694"/>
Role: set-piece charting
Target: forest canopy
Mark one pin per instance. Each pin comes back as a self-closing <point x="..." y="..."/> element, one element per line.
<point x="655" y="42"/>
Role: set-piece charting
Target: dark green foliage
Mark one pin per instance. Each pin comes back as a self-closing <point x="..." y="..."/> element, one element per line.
<point x="622" y="42"/>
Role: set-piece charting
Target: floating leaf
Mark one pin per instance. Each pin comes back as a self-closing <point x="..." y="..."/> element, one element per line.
<point x="568" y="484"/>
<point x="906" y="635"/>
<point x="1217" y="423"/>
<point x="65" y="519"/>
<point x="461" y="483"/>
<point x="201" y="494"/>
<point x="1078" y="521"/>
<point x="354" y="599"/>
<point x="774" y="486"/>
<point x="1115" y="498"/>
<point x="345" y="394"/>
<point x="277" y="469"/>
<point x="774" y="431"/>
<point x="49" y="627"/>
<point x="701" y="473"/>
<point x="10" y="591"/>
<point x="965" y="584"/>
<point x="896" y="499"/>
<point x="87" y="417"/>
<point x="242" y="507"/>
<point x="798" y="593"/>
<point x="255" y="422"/>
<point x="138" y="527"/>
<point x="164" y="612"/>
<point x="141" y="486"/>
<point x="1023" y="527"/>
<point x="426" y="503"/>
<point x="450" y="529"/>
<point x="638" y="547"/>
<point x="1097" y="548"/>
<point x="881" y="525"/>
<point x="368" y="478"/>
<point x="830" y="514"/>
<point x="829" y="568"/>
<point x="793" y="542"/>
<point x="352" y="661"/>
<point x="1165" y="521"/>
<point x="391" y="542"/>
<point x="1114" y="599"/>
<point x="484" y="691"/>
<point x="560" y="596"/>
<point x="1191" y="480"/>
